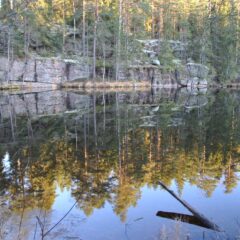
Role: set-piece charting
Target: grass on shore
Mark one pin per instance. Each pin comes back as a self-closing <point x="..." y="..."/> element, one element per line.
<point x="107" y="85"/>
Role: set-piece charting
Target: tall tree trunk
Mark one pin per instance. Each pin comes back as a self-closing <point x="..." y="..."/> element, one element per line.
<point x="83" y="28"/>
<point x="118" y="50"/>
<point x="104" y="61"/>
<point x="87" y="49"/>
<point x="238" y="32"/>
<point x="74" y="25"/>
<point x="95" y="40"/>
<point x="153" y="19"/>
<point x="26" y="31"/>
<point x="64" y="28"/>
<point x="9" y="54"/>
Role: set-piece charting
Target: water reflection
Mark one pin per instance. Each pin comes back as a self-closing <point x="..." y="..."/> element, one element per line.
<point x="105" y="147"/>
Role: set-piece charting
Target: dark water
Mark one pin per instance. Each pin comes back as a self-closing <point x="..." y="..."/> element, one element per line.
<point x="92" y="162"/>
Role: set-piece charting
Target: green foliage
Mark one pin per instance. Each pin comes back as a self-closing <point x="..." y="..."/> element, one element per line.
<point x="166" y="57"/>
<point x="211" y="32"/>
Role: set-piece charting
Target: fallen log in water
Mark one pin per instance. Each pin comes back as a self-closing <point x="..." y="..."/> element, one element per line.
<point x="206" y="222"/>
<point x="191" y="219"/>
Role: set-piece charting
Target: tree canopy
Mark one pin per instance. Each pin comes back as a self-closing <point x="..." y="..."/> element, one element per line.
<point x="105" y="30"/>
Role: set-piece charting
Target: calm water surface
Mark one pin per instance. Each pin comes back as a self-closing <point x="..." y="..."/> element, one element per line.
<point x="91" y="163"/>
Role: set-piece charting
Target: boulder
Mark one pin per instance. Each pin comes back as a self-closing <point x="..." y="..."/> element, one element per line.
<point x="155" y="62"/>
<point x="197" y="70"/>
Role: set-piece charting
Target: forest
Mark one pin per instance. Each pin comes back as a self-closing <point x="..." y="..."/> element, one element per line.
<point x="113" y="97"/>
<point x="106" y="33"/>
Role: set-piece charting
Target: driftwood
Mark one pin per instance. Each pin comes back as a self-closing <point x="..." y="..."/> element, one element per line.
<point x="205" y="222"/>
<point x="191" y="219"/>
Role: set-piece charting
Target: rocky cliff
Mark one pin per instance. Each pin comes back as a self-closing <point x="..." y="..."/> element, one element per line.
<point x="54" y="71"/>
<point x="43" y="70"/>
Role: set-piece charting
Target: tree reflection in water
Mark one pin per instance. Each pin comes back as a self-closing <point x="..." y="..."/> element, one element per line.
<point x="113" y="145"/>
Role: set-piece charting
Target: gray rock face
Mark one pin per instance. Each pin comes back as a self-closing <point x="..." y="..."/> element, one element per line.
<point x="76" y="68"/>
<point x="50" y="70"/>
<point x="28" y="71"/>
<point x="148" y="73"/>
<point x="137" y="73"/>
<point x="156" y="62"/>
<point x="2" y="75"/>
<point x="193" y="75"/>
<point x="197" y="70"/>
<point x="154" y="45"/>
<point x="165" y="80"/>
<point x="16" y="70"/>
<point x="41" y="103"/>
<point x="43" y="70"/>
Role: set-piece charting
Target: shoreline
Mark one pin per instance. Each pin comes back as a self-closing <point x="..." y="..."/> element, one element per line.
<point x="105" y="85"/>
<point x="90" y="85"/>
<point x="27" y="86"/>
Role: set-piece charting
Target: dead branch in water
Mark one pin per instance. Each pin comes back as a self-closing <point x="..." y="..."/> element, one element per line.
<point x="205" y="221"/>
<point x="191" y="219"/>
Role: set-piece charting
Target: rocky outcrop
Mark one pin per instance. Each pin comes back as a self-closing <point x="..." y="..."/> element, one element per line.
<point x="149" y="67"/>
<point x="43" y="70"/>
<point x="197" y="70"/>
<point x="155" y="62"/>
<point x="153" y="46"/>
<point x="148" y="73"/>
<point x="193" y="75"/>
<point x="57" y="71"/>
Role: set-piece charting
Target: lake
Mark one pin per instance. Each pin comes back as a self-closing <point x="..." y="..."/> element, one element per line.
<point x="78" y="165"/>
